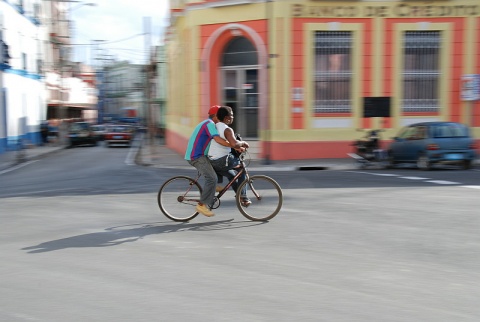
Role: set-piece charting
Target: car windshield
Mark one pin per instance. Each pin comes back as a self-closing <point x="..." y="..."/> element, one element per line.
<point x="119" y="129"/>
<point x="79" y="126"/>
<point x="450" y="130"/>
<point x="407" y="132"/>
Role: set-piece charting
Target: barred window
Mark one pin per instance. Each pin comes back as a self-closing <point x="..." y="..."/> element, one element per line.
<point x="333" y="71"/>
<point x="421" y="71"/>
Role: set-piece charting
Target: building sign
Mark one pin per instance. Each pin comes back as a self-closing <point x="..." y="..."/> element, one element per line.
<point x="400" y="10"/>
<point x="470" y="87"/>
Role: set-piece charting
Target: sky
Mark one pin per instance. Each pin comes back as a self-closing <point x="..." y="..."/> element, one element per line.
<point x="119" y="24"/>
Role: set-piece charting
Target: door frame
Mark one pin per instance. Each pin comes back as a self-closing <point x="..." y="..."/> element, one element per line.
<point x="240" y="123"/>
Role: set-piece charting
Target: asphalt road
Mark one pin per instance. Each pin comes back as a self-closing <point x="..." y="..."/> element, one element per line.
<point x="82" y="239"/>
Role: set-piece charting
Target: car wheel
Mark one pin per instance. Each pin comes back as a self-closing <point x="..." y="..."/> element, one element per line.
<point x="390" y="162"/>
<point x="423" y="163"/>
<point x="466" y="164"/>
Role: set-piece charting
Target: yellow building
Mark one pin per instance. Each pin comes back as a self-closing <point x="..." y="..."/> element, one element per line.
<point x="303" y="75"/>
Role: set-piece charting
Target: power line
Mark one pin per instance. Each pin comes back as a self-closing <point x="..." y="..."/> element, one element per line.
<point x="110" y="42"/>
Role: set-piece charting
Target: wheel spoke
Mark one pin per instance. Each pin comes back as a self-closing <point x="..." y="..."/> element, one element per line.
<point x="266" y="198"/>
<point x="178" y="197"/>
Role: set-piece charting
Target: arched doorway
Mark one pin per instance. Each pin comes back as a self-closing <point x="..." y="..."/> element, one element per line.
<point x="239" y="74"/>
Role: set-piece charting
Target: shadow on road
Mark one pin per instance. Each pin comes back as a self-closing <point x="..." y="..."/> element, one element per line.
<point x="118" y="235"/>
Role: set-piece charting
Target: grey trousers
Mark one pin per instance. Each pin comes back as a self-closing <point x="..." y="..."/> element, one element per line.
<point x="204" y="167"/>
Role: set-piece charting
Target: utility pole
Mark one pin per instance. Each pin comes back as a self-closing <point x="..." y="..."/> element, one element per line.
<point x="3" y="101"/>
<point x="100" y="78"/>
<point x="148" y="75"/>
<point x="268" y="17"/>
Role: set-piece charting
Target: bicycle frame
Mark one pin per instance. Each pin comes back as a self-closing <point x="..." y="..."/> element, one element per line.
<point x="229" y="184"/>
<point x="240" y="170"/>
<point x="266" y="199"/>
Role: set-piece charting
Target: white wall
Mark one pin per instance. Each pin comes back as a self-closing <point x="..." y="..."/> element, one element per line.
<point x="25" y="88"/>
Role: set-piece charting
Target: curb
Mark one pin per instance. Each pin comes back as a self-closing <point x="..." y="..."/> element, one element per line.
<point x="15" y="161"/>
<point x="42" y="155"/>
<point x="309" y="168"/>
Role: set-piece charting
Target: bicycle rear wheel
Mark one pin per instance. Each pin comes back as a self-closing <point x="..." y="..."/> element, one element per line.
<point x="178" y="197"/>
<point x="266" y="197"/>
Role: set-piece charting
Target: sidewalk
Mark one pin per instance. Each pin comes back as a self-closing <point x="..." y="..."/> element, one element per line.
<point x="159" y="156"/>
<point x="11" y="159"/>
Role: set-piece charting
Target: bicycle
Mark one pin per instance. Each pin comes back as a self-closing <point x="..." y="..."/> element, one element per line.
<point x="179" y="195"/>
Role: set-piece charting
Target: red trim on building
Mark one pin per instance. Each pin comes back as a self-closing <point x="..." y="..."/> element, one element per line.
<point x="309" y="150"/>
<point x="297" y="57"/>
<point x="176" y="142"/>
<point x="476" y="104"/>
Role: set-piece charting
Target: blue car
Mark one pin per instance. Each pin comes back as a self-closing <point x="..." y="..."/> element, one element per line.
<point x="428" y="143"/>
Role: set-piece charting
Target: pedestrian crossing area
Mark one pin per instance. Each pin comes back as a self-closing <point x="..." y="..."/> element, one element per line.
<point x="419" y="179"/>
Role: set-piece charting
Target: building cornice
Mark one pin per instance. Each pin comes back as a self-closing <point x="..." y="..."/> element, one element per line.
<point x="221" y="4"/>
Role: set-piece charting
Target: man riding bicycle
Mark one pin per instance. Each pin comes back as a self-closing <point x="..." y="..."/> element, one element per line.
<point x="221" y="158"/>
<point x="196" y="155"/>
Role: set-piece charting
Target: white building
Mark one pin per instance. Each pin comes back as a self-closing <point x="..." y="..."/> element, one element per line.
<point x="40" y="82"/>
<point x="123" y="87"/>
<point x="70" y="87"/>
<point x="22" y="99"/>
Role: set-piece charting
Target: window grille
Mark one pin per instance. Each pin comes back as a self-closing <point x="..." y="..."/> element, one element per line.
<point x="421" y="73"/>
<point x="333" y="71"/>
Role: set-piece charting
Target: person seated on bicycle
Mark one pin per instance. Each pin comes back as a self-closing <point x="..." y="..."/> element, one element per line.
<point x="203" y="135"/>
<point x="221" y="158"/>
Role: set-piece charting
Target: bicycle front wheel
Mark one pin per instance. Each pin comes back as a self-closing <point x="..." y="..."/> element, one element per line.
<point x="178" y="197"/>
<point x="266" y="197"/>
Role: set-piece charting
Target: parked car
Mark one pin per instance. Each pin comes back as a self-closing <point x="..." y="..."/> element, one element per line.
<point x="99" y="131"/>
<point x="81" y="133"/>
<point x="119" y="135"/>
<point x="428" y="143"/>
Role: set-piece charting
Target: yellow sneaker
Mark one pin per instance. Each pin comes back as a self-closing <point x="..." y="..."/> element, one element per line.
<point x="218" y="188"/>
<point x="204" y="210"/>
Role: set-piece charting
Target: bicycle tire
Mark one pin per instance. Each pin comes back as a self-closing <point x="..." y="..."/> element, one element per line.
<point x="178" y="197"/>
<point x="267" y="200"/>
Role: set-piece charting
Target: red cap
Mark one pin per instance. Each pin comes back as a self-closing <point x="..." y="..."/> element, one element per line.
<point x="213" y="110"/>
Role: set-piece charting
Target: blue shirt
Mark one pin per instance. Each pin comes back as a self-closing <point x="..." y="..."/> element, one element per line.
<point x="199" y="141"/>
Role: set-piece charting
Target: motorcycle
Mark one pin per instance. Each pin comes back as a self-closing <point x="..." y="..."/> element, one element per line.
<point x="367" y="150"/>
